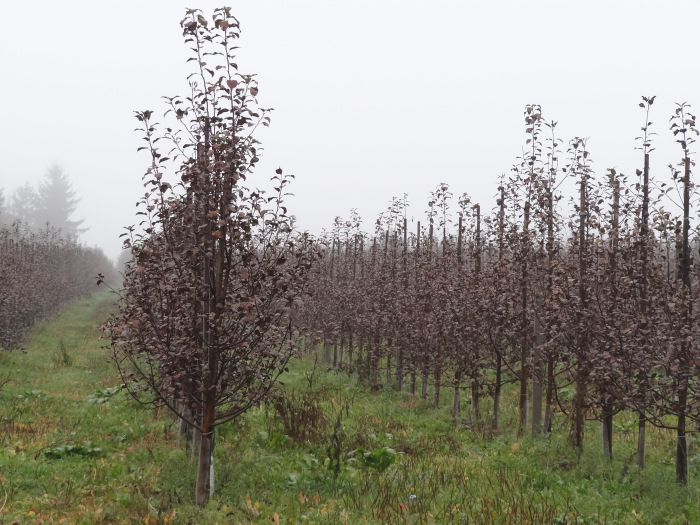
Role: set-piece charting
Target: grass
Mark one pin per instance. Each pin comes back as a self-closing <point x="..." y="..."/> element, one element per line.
<point x="75" y="449"/>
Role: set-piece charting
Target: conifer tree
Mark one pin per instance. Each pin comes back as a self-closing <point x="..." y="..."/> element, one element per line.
<point x="56" y="202"/>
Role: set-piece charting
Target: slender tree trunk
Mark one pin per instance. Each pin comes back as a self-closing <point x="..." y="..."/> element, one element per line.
<point x="184" y="431"/>
<point x="641" y="439"/>
<point x="400" y="365"/>
<point x="368" y="364"/>
<point x="212" y="444"/>
<point x="326" y="351"/>
<point x="550" y="353"/>
<point x="301" y="346"/>
<point x="341" y="351"/>
<point x="437" y="375"/>
<point x="196" y="441"/>
<point x="205" y="463"/>
<point x="549" y="396"/>
<point x="682" y="444"/>
<point x="184" y="428"/>
<point x="578" y="413"/>
<point x="607" y="404"/>
<point x="499" y="360"/>
<point x="360" y="366"/>
<point x="497" y="392"/>
<point x="424" y="381"/>
<point x="536" y="408"/>
<point x="375" y="352"/>
<point x="213" y="285"/>
<point x="476" y="414"/>
<point x="642" y="431"/>
<point x="456" y="399"/>
<point x="537" y="374"/>
<point x="388" y="365"/>
<point x="524" y="346"/>
<point x="681" y="441"/>
<point x="581" y="373"/>
<point x="607" y="428"/>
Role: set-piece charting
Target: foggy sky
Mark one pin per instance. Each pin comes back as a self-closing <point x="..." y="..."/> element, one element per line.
<point x="372" y="99"/>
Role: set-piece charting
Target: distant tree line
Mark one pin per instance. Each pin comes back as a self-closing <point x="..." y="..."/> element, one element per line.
<point x="52" y="202"/>
<point x="42" y="264"/>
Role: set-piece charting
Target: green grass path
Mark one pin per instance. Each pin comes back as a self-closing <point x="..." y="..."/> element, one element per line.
<point x="75" y="449"/>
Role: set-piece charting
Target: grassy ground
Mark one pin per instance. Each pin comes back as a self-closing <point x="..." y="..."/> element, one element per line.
<point x="74" y="449"/>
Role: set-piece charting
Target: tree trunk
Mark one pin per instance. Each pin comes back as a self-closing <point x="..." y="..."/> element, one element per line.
<point x="437" y="374"/>
<point x="524" y="346"/>
<point x="681" y="441"/>
<point x="497" y="392"/>
<point x="368" y="363"/>
<point x="341" y="350"/>
<point x="523" y="400"/>
<point x="537" y="408"/>
<point x="499" y="361"/>
<point x="537" y="389"/>
<point x="456" y="400"/>
<point x="399" y="369"/>
<point x="374" y="367"/>
<point x="302" y="347"/>
<point x="477" y="271"/>
<point x="687" y="316"/>
<point x="205" y="464"/>
<point x="581" y="374"/>
<point x="388" y="367"/>
<point x="326" y="352"/>
<point x="549" y="396"/>
<point x="424" y="382"/>
<point x="360" y="366"/>
<point x="607" y="428"/>
<point x="212" y="444"/>
<point x="184" y="429"/>
<point x="641" y="440"/>
<point x="578" y="415"/>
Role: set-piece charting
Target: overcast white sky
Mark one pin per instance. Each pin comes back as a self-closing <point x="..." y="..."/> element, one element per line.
<point x="372" y="98"/>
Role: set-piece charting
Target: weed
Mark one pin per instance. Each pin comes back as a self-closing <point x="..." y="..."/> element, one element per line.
<point x="334" y="450"/>
<point x="29" y="395"/>
<point x="277" y="439"/>
<point x="61" y="357"/>
<point x="4" y="380"/>
<point x="379" y="459"/>
<point x="64" y="451"/>
<point x="103" y="396"/>
<point x="300" y="413"/>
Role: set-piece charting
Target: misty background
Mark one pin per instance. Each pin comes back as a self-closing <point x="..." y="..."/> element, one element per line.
<point x="373" y="99"/>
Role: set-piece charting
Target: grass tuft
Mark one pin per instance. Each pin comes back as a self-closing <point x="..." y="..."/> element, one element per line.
<point x="61" y="357"/>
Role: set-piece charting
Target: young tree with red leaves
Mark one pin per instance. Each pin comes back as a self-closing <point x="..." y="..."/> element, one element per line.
<point x="204" y="326"/>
